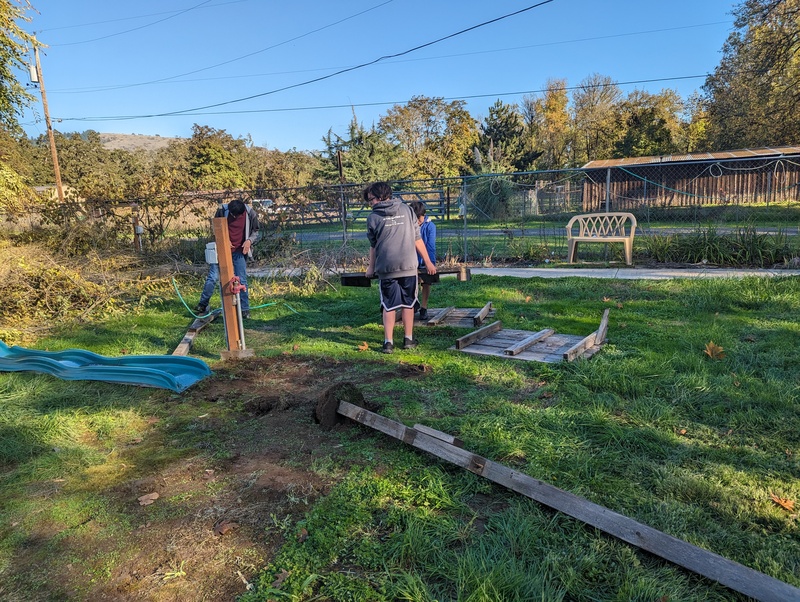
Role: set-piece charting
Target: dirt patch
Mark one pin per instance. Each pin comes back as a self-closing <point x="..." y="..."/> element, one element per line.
<point x="203" y="527"/>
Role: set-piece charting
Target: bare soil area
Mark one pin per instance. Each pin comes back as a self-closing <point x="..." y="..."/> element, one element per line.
<point x="215" y="523"/>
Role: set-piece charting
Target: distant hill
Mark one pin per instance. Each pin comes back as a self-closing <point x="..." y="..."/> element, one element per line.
<point x="132" y="142"/>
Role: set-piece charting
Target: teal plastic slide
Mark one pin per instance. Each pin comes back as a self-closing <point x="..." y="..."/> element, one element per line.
<point x="172" y="372"/>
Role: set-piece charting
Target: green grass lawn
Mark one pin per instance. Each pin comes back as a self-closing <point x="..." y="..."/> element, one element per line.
<point x="651" y="427"/>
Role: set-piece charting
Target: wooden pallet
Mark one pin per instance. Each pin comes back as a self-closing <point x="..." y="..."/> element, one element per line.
<point x="545" y="346"/>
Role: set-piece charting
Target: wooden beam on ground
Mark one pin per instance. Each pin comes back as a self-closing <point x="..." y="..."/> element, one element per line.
<point x="713" y="566"/>
<point x="481" y="333"/>
<point x="603" y="329"/>
<point x="438" y="318"/>
<point x="186" y="344"/>
<point x="528" y="342"/>
<point x="481" y="315"/>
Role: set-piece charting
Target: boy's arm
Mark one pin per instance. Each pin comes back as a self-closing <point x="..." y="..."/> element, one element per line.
<point x="423" y="252"/>
<point x="371" y="267"/>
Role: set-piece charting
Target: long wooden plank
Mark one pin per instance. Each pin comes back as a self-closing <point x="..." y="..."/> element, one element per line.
<point x="703" y="562"/>
<point x="481" y="315"/>
<point x="528" y="342"/>
<point x="440" y="316"/>
<point x="479" y="334"/>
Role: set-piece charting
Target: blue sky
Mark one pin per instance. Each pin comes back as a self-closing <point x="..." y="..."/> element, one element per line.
<point x="119" y="66"/>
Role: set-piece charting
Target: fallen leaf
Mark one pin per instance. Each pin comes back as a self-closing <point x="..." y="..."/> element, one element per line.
<point x="619" y="305"/>
<point x="714" y="351"/>
<point x="363" y="346"/>
<point x="282" y="576"/>
<point x="123" y="352"/>
<point x="148" y="499"/>
<point x="528" y="299"/>
<point x="607" y="299"/>
<point x="784" y="503"/>
<point x="682" y="432"/>
<point x="295" y="347"/>
<point x="224" y="526"/>
<point x="302" y="535"/>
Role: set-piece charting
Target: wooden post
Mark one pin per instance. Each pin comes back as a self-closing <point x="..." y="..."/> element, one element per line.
<point x="230" y="315"/>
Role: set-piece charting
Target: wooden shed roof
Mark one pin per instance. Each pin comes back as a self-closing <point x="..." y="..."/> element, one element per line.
<point x="745" y="153"/>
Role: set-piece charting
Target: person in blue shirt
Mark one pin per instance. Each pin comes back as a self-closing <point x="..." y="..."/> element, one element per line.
<point x="427" y="230"/>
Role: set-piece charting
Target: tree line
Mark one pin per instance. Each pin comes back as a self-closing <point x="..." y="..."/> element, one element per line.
<point x="750" y="100"/>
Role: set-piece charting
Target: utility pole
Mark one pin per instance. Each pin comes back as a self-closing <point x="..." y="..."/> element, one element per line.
<point x="50" y="136"/>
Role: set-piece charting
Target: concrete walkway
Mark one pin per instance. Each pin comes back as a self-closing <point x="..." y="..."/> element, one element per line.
<point x="621" y="273"/>
<point x="632" y="273"/>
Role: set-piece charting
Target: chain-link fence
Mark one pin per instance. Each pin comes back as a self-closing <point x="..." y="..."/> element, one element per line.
<point x="518" y="216"/>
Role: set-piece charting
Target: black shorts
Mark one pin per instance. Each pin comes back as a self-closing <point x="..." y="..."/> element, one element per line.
<point x="398" y="292"/>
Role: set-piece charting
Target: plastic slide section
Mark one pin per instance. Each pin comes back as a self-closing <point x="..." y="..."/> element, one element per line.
<point x="161" y="371"/>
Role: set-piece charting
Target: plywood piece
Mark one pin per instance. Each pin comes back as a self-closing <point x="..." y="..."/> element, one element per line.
<point x="452" y="440"/>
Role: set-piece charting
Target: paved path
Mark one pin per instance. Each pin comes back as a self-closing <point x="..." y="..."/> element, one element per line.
<point x="621" y="273"/>
<point x="632" y="273"/>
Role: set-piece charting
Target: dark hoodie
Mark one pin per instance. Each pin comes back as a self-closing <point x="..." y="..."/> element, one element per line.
<point x="392" y="230"/>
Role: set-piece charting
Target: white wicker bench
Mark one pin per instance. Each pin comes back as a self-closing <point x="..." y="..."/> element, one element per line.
<point x="601" y="227"/>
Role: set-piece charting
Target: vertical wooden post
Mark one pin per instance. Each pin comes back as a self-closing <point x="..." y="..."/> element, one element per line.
<point x="230" y="315"/>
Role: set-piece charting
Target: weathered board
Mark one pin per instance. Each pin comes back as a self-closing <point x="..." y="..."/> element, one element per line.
<point x="736" y="576"/>
<point x="186" y="343"/>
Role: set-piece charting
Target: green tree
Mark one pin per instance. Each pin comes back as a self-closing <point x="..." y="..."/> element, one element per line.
<point x="594" y="110"/>
<point x="502" y="139"/>
<point x="367" y="155"/>
<point x="435" y="136"/>
<point x="753" y="96"/>
<point x="651" y="124"/>
<point x="549" y="124"/>
<point x="15" y="44"/>
<point x="213" y="159"/>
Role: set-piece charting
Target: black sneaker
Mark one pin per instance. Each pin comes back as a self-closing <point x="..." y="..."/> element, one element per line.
<point x="423" y="313"/>
<point x="416" y="306"/>
<point x="388" y="348"/>
<point x="410" y="343"/>
<point x="246" y="315"/>
<point x="201" y="309"/>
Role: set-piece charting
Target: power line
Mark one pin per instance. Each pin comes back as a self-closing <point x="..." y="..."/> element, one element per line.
<point x="170" y="12"/>
<point x="119" y="33"/>
<point x="341" y="71"/>
<point x="294" y="39"/>
<point x="394" y="102"/>
<point x="444" y="56"/>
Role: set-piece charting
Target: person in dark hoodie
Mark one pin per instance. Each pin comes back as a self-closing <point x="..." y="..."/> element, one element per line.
<point x="394" y="241"/>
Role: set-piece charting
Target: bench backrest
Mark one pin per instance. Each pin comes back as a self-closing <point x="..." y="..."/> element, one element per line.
<point x="601" y="225"/>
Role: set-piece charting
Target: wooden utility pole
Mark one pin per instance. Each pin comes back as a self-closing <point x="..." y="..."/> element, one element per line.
<point x="50" y="136"/>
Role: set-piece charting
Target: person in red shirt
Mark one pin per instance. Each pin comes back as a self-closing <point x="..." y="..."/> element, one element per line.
<point x="243" y="229"/>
